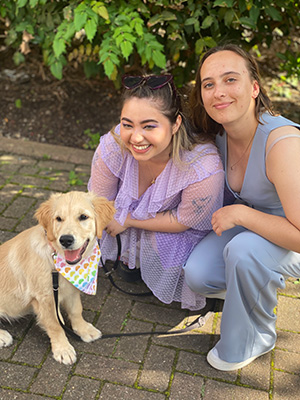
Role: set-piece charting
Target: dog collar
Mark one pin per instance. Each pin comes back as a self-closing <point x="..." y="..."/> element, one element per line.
<point x="82" y="275"/>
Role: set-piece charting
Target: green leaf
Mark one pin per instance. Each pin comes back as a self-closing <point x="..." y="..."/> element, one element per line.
<point x="207" y="22"/>
<point x="164" y="16"/>
<point x="108" y="67"/>
<point x="56" y="69"/>
<point x="126" y="48"/>
<point x="159" y="58"/>
<point x="190" y="21"/>
<point x="209" y="42"/>
<point x="223" y="3"/>
<point x="18" y="103"/>
<point x="21" y="3"/>
<point x="33" y="3"/>
<point x="273" y="13"/>
<point x="90" y="29"/>
<point x="248" y="22"/>
<point x="79" y="20"/>
<point x="254" y="14"/>
<point x="59" y="46"/>
<point x="102" y="11"/>
<point x="228" y="18"/>
<point x="199" y="46"/>
<point x="18" y="58"/>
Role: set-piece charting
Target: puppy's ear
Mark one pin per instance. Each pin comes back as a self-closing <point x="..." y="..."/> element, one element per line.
<point x="44" y="215"/>
<point x="104" y="210"/>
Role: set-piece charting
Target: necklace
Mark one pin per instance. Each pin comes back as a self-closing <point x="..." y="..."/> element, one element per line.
<point x="234" y="164"/>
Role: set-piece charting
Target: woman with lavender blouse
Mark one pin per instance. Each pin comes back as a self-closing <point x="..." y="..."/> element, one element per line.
<point x="166" y="183"/>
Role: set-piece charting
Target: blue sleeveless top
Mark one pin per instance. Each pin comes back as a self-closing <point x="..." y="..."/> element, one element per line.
<point x="257" y="191"/>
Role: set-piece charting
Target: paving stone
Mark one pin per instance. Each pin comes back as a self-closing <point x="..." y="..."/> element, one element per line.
<point x="16" y="376"/>
<point x="197" y="364"/>
<point x="29" y="170"/>
<point x="33" y="348"/>
<point x="8" y="223"/>
<point x="257" y="374"/>
<point x="287" y="319"/>
<point x="157" y="368"/>
<point x="19" y="206"/>
<point x="56" y="165"/>
<point x="81" y="388"/>
<point x="15" y="395"/>
<point x="9" y="192"/>
<point x="186" y="387"/>
<point x="287" y="361"/>
<point x="109" y="369"/>
<point x="161" y="315"/>
<point x="51" y="378"/>
<point x="5" y="236"/>
<point x="113" y="392"/>
<point x="133" y="348"/>
<point x="286" y="386"/>
<point x="224" y="391"/>
<point x="37" y="193"/>
<point x="113" y="314"/>
<point x="30" y="180"/>
<point x="288" y="341"/>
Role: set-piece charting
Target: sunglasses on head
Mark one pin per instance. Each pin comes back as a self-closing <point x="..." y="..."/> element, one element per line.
<point x="152" y="81"/>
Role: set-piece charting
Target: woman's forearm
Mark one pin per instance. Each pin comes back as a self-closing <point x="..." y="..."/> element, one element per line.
<point x="276" y="229"/>
<point x="162" y="222"/>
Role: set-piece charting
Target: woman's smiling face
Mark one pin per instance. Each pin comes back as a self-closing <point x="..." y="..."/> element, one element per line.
<point x="228" y="94"/>
<point x="145" y="131"/>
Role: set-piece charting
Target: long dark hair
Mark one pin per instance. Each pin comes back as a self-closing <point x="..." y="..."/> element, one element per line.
<point x="202" y="122"/>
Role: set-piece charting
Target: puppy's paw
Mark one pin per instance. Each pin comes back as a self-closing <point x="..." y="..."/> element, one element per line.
<point x="5" y="339"/>
<point x="89" y="333"/>
<point x="64" y="354"/>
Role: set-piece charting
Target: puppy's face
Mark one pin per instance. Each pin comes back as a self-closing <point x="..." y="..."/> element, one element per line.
<point x="73" y="221"/>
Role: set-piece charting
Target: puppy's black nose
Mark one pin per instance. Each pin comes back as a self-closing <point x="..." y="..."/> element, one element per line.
<point x="66" y="241"/>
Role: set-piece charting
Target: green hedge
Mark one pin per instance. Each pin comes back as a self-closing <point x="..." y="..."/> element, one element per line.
<point x="113" y="37"/>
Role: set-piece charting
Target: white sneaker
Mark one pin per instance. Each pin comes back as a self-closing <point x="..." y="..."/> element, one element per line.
<point x="214" y="360"/>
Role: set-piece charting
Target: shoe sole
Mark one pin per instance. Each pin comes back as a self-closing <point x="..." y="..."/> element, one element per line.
<point x="221" y="365"/>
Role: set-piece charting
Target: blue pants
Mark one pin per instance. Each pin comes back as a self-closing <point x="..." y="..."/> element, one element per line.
<point x="246" y="269"/>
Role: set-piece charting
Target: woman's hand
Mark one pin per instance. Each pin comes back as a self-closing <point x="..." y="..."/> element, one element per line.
<point x="227" y="217"/>
<point x="114" y="228"/>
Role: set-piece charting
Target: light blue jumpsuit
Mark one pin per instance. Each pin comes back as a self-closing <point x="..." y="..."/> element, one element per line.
<point x="241" y="265"/>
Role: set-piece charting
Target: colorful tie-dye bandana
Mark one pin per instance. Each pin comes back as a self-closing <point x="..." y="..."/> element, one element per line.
<point x="82" y="275"/>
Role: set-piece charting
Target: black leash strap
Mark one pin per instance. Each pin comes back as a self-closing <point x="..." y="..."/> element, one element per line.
<point x="55" y="292"/>
<point x="115" y="267"/>
<point x="196" y="324"/>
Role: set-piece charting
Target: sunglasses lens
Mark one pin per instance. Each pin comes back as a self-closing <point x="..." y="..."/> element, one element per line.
<point x="130" y="82"/>
<point x="156" y="82"/>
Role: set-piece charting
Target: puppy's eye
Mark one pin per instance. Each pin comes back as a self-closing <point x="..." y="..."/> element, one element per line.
<point x="83" y="217"/>
<point x="58" y="219"/>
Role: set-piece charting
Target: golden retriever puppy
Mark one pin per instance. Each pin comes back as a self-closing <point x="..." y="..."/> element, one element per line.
<point x="69" y="225"/>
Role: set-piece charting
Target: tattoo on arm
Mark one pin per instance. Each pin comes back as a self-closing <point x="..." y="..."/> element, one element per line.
<point x="200" y="204"/>
<point x="172" y="215"/>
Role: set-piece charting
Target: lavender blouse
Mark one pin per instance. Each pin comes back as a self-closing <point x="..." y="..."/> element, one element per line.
<point x="193" y="190"/>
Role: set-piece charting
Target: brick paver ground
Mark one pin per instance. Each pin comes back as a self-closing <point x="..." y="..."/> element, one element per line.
<point x="139" y="368"/>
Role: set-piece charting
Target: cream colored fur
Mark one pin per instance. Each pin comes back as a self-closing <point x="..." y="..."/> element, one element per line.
<point x="26" y="265"/>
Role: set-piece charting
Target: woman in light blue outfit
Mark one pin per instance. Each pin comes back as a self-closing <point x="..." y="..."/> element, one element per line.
<point x="256" y="240"/>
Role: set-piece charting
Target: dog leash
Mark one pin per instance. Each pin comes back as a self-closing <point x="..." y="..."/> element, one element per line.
<point x="109" y="273"/>
<point x="200" y="321"/>
<point x="207" y="311"/>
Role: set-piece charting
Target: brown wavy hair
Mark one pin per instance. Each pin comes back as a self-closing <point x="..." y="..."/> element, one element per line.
<point x="202" y="122"/>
